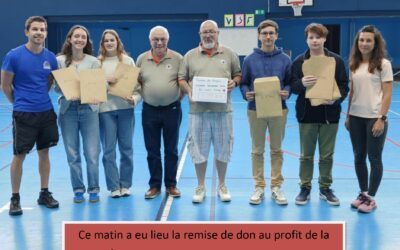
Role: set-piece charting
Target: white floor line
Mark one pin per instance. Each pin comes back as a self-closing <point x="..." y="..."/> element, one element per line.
<point x="391" y="111"/>
<point x="7" y="206"/>
<point x="170" y="199"/>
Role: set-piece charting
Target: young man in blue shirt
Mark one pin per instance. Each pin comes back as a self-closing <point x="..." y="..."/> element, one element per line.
<point x="266" y="61"/>
<point x="26" y="79"/>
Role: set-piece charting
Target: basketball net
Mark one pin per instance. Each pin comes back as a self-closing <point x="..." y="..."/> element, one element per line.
<point x="297" y="6"/>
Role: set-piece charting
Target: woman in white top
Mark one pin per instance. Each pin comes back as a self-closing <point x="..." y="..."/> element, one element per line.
<point x="369" y="100"/>
<point x="80" y="121"/>
<point x="117" y="119"/>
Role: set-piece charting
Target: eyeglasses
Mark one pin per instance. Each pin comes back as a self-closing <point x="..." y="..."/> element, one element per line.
<point x="265" y="33"/>
<point x="156" y="40"/>
<point x="208" y="32"/>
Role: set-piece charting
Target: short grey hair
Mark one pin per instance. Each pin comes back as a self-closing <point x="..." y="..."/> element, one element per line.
<point x="209" y="21"/>
<point x="159" y="27"/>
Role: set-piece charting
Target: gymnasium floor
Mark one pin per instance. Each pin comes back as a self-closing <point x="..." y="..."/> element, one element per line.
<point x="41" y="228"/>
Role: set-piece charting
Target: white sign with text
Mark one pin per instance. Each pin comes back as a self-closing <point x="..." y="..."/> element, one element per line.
<point x="210" y="89"/>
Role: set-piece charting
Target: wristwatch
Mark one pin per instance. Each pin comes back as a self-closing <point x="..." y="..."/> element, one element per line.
<point x="383" y="118"/>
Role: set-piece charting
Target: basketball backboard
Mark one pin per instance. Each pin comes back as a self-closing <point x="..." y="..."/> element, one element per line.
<point x="283" y="3"/>
<point x="296" y="5"/>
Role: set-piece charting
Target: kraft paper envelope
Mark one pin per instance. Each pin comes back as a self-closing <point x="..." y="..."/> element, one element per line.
<point x="323" y="68"/>
<point x="93" y="86"/>
<point x="268" y="100"/>
<point x="336" y="96"/>
<point x="127" y="79"/>
<point x="68" y="81"/>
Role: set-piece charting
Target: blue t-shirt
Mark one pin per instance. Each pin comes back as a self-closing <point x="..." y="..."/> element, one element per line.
<point x="31" y="72"/>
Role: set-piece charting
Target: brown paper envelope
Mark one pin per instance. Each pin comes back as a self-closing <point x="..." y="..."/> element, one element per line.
<point x="336" y="95"/>
<point x="323" y="68"/>
<point x="127" y="79"/>
<point x="336" y="92"/>
<point x="68" y="81"/>
<point x="93" y="86"/>
<point x="268" y="100"/>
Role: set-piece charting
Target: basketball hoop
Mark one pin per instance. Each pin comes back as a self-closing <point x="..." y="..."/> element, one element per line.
<point x="297" y="6"/>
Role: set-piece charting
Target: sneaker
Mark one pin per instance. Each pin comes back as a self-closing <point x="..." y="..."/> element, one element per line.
<point x="199" y="194"/>
<point x="367" y="206"/>
<point x="173" y="192"/>
<point x="45" y="198"/>
<point x="303" y="197"/>
<point x="15" y="207"/>
<point x="116" y="194"/>
<point x="257" y="196"/>
<point x="78" y="197"/>
<point x="327" y="194"/>
<point x="94" y="197"/>
<point x="125" y="192"/>
<point x="223" y="193"/>
<point x="361" y="198"/>
<point x="152" y="193"/>
<point x="278" y="196"/>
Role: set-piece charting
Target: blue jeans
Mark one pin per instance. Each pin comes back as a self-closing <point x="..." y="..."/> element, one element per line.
<point x="117" y="126"/>
<point x="164" y="121"/>
<point x="80" y="119"/>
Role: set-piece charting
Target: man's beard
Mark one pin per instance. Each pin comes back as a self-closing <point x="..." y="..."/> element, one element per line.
<point x="209" y="45"/>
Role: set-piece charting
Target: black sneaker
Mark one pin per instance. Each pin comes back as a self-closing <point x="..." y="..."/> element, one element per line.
<point x="45" y="198"/>
<point x="15" y="207"/>
<point x="304" y="195"/>
<point x="327" y="194"/>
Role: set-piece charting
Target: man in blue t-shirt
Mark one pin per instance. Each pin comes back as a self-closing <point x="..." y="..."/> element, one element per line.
<point x="26" y="79"/>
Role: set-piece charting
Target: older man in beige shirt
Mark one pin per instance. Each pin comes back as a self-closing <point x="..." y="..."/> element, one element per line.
<point x="162" y="114"/>
<point x="210" y="122"/>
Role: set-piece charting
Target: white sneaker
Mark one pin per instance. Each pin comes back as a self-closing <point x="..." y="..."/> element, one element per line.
<point x="199" y="194"/>
<point x="116" y="194"/>
<point x="125" y="192"/>
<point x="257" y="196"/>
<point x="278" y="196"/>
<point x="223" y="193"/>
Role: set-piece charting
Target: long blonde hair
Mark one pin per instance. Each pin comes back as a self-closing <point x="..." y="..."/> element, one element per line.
<point x="120" y="46"/>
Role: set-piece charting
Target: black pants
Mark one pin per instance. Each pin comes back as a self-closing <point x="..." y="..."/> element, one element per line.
<point x="157" y="122"/>
<point x="364" y="143"/>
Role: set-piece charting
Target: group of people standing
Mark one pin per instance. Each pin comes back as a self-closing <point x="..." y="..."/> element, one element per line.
<point x="165" y="77"/>
<point x="371" y="82"/>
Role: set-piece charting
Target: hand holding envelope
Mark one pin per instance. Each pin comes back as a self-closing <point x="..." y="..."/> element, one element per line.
<point x="284" y="94"/>
<point x="88" y="86"/>
<point x="268" y="96"/>
<point x="319" y="72"/>
<point x="111" y="80"/>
